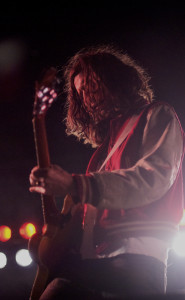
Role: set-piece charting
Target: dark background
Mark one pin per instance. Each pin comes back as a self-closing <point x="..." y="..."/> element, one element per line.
<point x="33" y="38"/>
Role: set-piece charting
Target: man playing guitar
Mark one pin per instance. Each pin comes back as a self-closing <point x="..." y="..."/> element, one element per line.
<point x="131" y="194"/>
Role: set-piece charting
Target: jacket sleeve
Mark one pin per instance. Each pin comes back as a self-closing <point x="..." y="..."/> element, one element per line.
<point x="152" y="175"/>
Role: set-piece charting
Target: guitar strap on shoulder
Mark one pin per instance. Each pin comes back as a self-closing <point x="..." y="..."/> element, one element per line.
<point x="121" y="138"/>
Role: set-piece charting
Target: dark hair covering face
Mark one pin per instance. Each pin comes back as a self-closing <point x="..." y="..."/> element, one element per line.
<point x="122" y="86"/>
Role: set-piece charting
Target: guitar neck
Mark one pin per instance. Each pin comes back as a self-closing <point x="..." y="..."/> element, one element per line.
<point x="49" y="207"/>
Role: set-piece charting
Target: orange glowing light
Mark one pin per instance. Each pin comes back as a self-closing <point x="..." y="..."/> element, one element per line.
<point x="5" y="233"/>
<point x="27" y="230"/>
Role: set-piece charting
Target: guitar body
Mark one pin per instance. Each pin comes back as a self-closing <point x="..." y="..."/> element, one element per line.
<point x="58" y="242"/>
<point x="54" y="249"/>
<point x="62" y="239"/>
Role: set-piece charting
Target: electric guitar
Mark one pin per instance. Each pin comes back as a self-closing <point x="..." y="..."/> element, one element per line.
<point x="63" y="233"/>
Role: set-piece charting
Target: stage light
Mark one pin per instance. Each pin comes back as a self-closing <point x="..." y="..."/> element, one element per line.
<point x="27" y="230"/>
<point x="179" y="244"/>
<point x="3" y="260"/>
<point x="5" y="233"/>
<point x="23" y="258"/>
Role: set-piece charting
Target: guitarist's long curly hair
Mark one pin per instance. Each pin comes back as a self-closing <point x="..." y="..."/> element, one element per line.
<point x="122" y="87"/>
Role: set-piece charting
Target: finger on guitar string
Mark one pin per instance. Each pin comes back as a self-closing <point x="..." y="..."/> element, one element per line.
<point x="38" y="175"/>
<point x="55" y="180"/>
<point x="40" y="172"/>
<point x="37" y="189"/>
<point x="41" y="182"/>
<point x="36" y="180"/>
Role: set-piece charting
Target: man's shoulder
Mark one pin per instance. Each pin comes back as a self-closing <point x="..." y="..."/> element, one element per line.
<point x="160" y="105"/>
<point x="160" y="109"/>
<point x="155" y="111"/>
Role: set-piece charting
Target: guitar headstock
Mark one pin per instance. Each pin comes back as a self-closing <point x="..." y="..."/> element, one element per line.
<point x="46" y="92"/>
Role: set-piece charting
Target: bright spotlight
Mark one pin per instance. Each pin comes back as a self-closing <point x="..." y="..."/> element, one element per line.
<point x="23" y="258"/>
<point x="5" y="233"/>
<point x="27" y="230"/>
<point x="3" y="260"/>
<point x="179" y="244"/>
